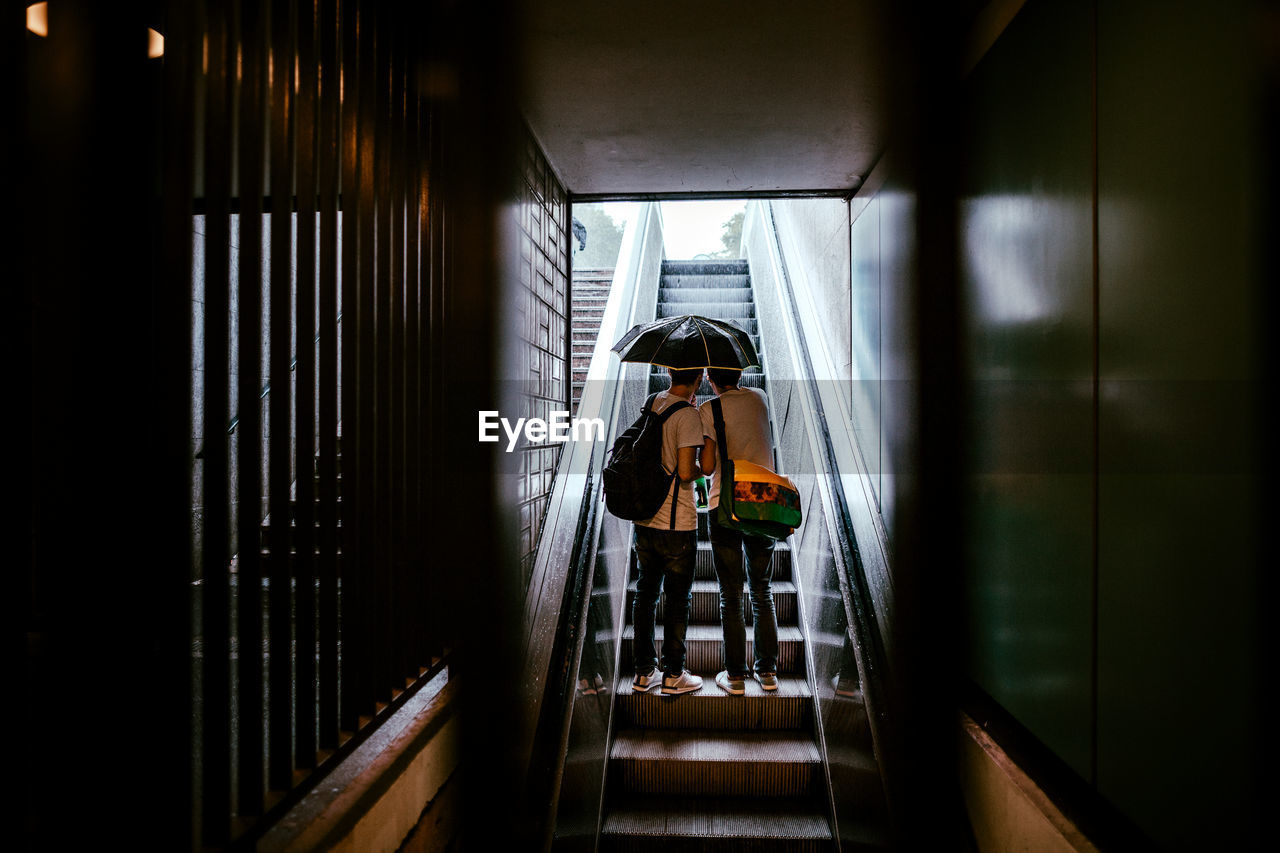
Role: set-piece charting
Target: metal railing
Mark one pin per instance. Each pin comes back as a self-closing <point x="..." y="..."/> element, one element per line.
<point x="848" y="510"/>
<point x="266" y="389"/>
<point x="325" y="621"/>
<point x="555" y="614"/>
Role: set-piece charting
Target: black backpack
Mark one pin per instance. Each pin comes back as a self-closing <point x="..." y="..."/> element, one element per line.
<point x="635" y="482"/>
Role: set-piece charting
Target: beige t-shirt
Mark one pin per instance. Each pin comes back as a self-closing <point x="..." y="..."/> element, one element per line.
<point x="682" y="429"/>
<point x="746" y="427"/>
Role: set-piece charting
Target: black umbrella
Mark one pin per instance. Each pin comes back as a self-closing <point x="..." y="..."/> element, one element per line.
<point x="688" y="341"/>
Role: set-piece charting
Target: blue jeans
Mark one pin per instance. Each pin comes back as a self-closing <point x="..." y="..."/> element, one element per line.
<point x="726" y="553"/>
<point x="663" y="555"/>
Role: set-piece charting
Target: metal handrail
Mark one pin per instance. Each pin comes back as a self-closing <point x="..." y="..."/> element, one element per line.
<point x="857" y="542"/>
<point x="266" y="389"/>
<point x="559" y="590"/>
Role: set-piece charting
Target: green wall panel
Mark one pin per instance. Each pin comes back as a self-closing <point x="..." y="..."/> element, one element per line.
<point x="1026" y="236"/>
<point x="1178" y="164"/>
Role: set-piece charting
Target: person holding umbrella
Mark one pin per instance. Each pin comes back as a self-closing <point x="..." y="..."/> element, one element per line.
<point x="666" y="545"/>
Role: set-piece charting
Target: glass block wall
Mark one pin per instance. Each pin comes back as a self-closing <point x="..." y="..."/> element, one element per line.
<point x="542" y="317"/>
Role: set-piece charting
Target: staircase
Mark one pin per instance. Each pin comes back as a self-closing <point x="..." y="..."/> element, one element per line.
<point x="590" y="293"/>
<point x="707" y="769"/>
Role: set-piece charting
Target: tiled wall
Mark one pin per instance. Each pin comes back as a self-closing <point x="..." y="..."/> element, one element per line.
<point x="542" y="292"/>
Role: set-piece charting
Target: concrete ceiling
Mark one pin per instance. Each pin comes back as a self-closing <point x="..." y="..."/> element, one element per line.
<point x="705" y="96"/>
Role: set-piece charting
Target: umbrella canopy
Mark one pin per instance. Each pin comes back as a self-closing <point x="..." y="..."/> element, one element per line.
<point x="688" y="341"/>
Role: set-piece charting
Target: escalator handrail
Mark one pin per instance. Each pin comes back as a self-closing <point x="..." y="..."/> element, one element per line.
<point x="855" y="541"/>
<point x="566" y="547"/>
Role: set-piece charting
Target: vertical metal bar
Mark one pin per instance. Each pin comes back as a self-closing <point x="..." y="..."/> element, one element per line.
<point x="280" y="68"/>
<point x="413" y="362"/>
<point x="441" y="239"/>
<point x="173" y="430"/>
<point x="215" y="557"/>
<point x="399" y="596"/>
<point x="305" y="396"/>
<point x="252" y="49"/>
<point x="22" y="530"/>
<point x="422" y="434"/>
<point x="366" y="368"/>
<point x="352" y="636"/>
<point x="329" y="135"/>
<point x="384" y="325"/>
<point x="406" y="660"/>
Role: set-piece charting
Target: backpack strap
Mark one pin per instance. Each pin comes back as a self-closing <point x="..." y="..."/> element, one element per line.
<point x="725" y="497"/>
<point x="670" y="410"/>
<point x="718" y="416"/>
<point x="647" y="408"/>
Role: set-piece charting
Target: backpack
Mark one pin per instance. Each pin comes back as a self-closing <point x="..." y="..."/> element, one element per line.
<point x="634" y="479"/>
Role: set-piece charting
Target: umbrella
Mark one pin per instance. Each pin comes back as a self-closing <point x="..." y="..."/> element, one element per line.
<point x="688" y="341"/>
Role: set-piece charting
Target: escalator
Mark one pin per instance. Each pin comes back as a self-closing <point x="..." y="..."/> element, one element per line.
<point x="794" y="769"/>
<point x="708" y="768"/>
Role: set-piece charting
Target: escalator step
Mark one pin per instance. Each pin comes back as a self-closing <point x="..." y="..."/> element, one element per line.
<point x="705" y="606"/>
<point x="788" y="707"/>
<point x="704" y="568"/>
<point x="706" y="266"/>
<point x="712" y="293"/>
<point x="734" y="763"/>
<point x="704" y="649"/>
<point x="703" y="281"/>
<point x="726" y="309"/>
<point x="644" y="823"/>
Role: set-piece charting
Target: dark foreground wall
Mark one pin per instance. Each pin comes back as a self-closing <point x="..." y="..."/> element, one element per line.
<point x="1110" y="236"/>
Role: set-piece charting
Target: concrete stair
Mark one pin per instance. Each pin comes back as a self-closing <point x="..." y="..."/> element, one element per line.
<point x="589" y="293"/>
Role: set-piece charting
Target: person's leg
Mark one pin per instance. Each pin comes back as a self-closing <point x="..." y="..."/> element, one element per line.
<point x="760" y="579"/>
<point x="681" y="549"/>
<point x="645" y="605"/>
<point x="726" y="555"/>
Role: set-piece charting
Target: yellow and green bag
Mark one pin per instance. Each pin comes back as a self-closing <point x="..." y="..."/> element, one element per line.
<point x="753" y="498"/>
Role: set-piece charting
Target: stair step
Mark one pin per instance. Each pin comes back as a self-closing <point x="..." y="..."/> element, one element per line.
<point x="705" y="282"/>
<point x="704" y="567"/>
<point x="711" y="293"/>
<point x="705" y="606"/>
<point x="704" y="649"/>
<point x="723" y="823"/>
<point x="734" y="763"/>
<point x="714" y="265"/>
<point x="729" y="311"/>
<point x="788" y="707"/>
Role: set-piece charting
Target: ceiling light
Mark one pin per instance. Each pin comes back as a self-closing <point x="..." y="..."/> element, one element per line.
<point x="38" y="18"/>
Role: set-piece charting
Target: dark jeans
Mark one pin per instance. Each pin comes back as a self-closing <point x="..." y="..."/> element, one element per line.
<point x="726" y="552"/>
<point x="663" y="555"/>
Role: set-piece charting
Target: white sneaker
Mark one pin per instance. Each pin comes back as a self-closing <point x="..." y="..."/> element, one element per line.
<point x="768" y="680"/>
<point x="643" y="682"/>
<point x="731" y="685"/>
<point x="685" y="682"/>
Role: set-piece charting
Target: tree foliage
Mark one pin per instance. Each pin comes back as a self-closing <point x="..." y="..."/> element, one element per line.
<point x="731" y="237"/>
<point x="604" y="238"/>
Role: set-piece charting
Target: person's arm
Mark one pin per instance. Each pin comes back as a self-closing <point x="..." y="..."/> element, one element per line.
<point x="707" y="457"/>
<point x="686" y="467"/>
